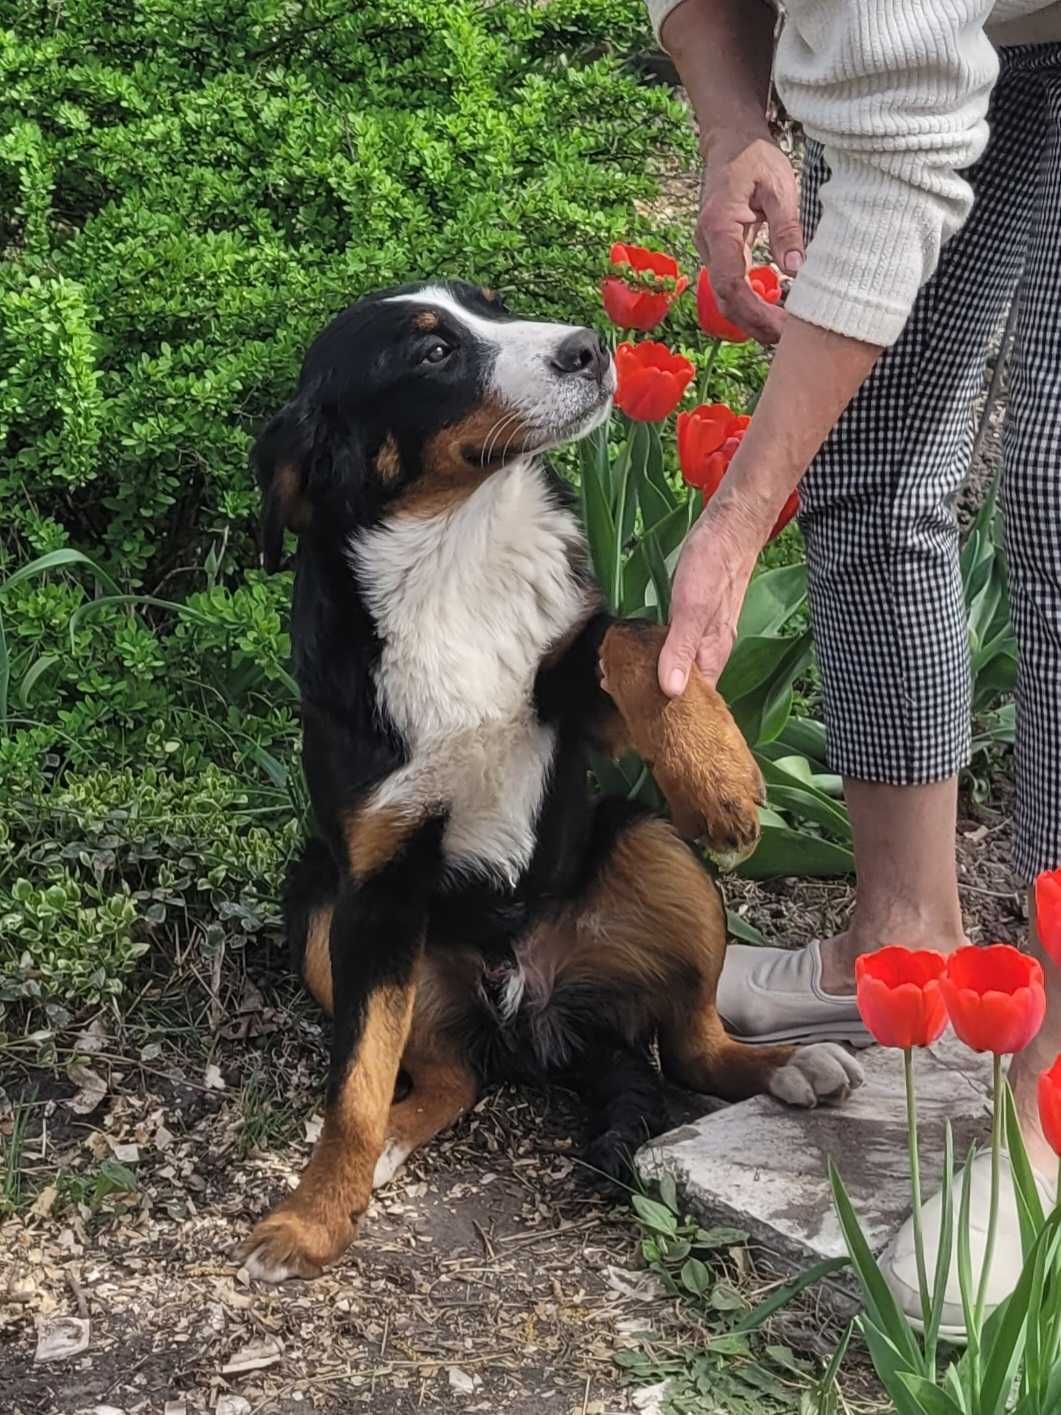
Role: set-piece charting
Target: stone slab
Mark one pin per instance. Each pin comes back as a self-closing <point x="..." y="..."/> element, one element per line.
<point x="761" y="1166"/>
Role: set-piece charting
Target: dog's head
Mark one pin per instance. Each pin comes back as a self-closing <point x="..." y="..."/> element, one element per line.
<point x="411" y="397"/>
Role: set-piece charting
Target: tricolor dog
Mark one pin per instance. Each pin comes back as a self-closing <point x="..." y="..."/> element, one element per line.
<point x="468" y="910"/>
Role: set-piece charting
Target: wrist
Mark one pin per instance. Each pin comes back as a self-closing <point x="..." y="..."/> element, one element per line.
<point x="722" y="143"/>
<point x="742" y="517"/>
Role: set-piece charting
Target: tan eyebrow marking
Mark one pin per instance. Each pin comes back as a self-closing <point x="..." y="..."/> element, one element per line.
<point x="427" y="320"/>
<point x="489" y="295"/>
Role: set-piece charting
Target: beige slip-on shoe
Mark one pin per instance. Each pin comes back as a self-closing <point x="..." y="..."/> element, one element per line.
<point x="775" y="995"/>
<point x="899" y="1263"/>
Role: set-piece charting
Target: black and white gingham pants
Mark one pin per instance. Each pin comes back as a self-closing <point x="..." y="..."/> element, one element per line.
<point x="878" y="503"/>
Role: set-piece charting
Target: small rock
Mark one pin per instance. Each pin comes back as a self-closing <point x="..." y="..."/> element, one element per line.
<point x="60" y="1337"/>
<point x="212" y="1078"/>
<point x="175" y="1407"/>
<point x="232" y="1405"/>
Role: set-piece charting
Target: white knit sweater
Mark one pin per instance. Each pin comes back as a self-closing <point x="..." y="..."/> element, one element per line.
<point x="897" y="92"/>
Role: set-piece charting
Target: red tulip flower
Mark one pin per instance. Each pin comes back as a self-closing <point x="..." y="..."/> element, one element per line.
<point x="651" y="380"/>
<point x="702" y="435"/>
<point x="641" y="294"/>
<point x="995" y="997"/>
<point x="1048" y="912"/>
<point x="1050" y="1104"/>
<point x="899" y="997"/>
<point x="764" y="281"/>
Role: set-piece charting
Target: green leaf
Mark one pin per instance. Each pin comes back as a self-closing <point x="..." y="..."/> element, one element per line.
<point x="883" y="1309"/>
<point x="739" y="928"/>
<point x="757" y="683"/>
<point x="1003" y="1339"/>
<point x="783" y="851"/>
<point x="596" y="509"/>
<point x="890" y="1365"/>
<point x="696" y="1277"/>
<point x="929" y="1398"/>
<point x="790" y="792"/>
<point x="1026" y="1191"/>
<point x="33" y="675"/>
<point x="658" y="1218"/>
<point x="58" y="560"/>
<point x="772" y="599"/>
<point x="668" y="1192"/>
<point x="784" y="1295"/>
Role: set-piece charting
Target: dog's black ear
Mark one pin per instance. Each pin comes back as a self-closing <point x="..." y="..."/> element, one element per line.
<point x="281" y="460"/>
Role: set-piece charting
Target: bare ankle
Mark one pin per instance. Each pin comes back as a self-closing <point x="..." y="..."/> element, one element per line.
<point x="839" y="953"/>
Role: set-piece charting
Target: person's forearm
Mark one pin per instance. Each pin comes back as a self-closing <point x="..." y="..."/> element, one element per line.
<point x="814" y="375"/>
<point x="722" y="50"/>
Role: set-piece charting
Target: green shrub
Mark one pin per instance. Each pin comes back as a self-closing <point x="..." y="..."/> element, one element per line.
<point x="188" y="190"/>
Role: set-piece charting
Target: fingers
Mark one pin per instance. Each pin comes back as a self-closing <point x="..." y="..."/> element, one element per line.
<point x="721" y="242"/>
<point x="678" y="656"/>
<point x="689" y="616"/>
<point x="780" y="204"/>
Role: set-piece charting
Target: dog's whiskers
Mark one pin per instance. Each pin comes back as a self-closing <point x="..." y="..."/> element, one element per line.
<point x="509" y="419"/>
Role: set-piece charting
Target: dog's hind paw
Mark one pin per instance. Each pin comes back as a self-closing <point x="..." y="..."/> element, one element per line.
<point x="823" y="1073"/>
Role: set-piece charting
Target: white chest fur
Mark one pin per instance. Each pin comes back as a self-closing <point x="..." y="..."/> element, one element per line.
<point x="467" y="603"/>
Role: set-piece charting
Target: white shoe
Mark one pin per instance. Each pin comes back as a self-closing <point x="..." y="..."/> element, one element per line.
<point x="899" y="1263"/>
<point x="775" y="995"/>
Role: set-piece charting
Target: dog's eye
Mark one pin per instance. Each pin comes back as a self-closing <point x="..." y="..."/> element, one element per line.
<point x="436" y="352"/>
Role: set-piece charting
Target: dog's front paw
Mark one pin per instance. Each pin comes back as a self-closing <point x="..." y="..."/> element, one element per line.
<point x="817" y="1074"/>
<point x="289" y="1243"/>
<point x="722" y="808"/>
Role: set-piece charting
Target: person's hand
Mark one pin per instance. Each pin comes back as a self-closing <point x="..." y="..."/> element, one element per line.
<point x="716" y="564"/>
<point x="748" y="180"/>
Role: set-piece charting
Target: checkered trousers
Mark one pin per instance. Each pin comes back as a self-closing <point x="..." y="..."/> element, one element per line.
<point x="878" y="502"/>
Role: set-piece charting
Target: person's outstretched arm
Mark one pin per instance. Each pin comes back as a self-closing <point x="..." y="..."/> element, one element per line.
<point x="896" y="92"/>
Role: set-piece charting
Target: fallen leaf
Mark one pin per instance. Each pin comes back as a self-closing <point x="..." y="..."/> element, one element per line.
<point x="314" y="1126"/>
<point x="43" y="1203"/>
<point x="60" y="1337"/>
<point x="649" y="1399"/>
<point x="643" y="1286"/>
<point x="175" y="1407"/>
<point x="128" y="1154"/>
<point x="212" y="1078"/>
<point x="254" y="1357"/>
<point x="461" y="1382"/>
<point x="91" y="1088"/>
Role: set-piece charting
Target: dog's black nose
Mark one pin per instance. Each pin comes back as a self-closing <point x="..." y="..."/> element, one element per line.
<point x="583" y="352"/>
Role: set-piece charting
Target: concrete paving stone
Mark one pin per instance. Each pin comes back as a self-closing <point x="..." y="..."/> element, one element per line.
<point x="762" y="1166"/>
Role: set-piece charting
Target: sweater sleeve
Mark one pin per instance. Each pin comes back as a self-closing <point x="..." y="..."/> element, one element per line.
<point x="897" y="92"/>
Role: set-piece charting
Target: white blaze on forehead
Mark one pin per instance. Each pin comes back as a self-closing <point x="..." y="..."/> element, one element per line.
<point x="522" y="374"/>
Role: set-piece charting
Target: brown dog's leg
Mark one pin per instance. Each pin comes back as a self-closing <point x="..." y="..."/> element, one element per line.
<point x="652" y="937"/>
<point x="375" y="939"/>
<point x="695" y="749"/>
<point x="442" y="1083"/>
<point x="318" y="1222"/>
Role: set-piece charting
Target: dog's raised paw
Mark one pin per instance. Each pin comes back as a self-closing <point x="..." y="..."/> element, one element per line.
<point x="286" y="1245"/>
<point x="822" y="1073"/>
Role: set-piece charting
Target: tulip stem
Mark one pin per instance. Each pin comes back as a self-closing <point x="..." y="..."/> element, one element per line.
<point x="709" y="364"/>
<point x="992" y="1222"/>
<point x="915" y="1185"/>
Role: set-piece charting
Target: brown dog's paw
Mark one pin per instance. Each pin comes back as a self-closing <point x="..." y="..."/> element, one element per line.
<point x="288" y="1244"/>
<point x="697" y="752"/>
